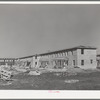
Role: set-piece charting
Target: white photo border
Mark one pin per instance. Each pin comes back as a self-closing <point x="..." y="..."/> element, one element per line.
<point x="47" y="94"/>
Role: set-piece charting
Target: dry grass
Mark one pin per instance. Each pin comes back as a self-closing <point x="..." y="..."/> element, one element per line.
<point x="88" y="80"/>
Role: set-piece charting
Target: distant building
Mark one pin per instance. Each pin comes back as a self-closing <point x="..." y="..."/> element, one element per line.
<point x="8" y="61"/>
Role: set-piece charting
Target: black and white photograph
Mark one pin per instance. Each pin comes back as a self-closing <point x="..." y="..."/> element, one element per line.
<point x="50" y="47"/>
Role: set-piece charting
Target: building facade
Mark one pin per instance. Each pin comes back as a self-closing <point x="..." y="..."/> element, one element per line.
<point x="82" y="56"/>
<point x="98" y="61"/>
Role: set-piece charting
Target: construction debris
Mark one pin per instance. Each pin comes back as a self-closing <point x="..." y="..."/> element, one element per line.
<point x="5" y="72"/>
<point x="34" y="73"/>
<point x="71" y="81"/>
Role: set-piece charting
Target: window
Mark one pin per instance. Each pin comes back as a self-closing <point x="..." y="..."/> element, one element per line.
<point x="64" y="54"/>
<point x="82" y="51"/>
<point x="91" y="61"/>
<point x="35" y="63"/>
<point x="73" y="62"/>
<point x="35" y="57"/>
<point x="82" y="62"/>
<point x="67" y="62"/>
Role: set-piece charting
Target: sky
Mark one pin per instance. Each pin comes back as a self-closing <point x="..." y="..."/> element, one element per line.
<point x="31" y="29"/>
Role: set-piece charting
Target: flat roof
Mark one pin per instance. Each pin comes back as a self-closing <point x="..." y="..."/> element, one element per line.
<point x="57" y="51"/>
<point x="70" y="49"/>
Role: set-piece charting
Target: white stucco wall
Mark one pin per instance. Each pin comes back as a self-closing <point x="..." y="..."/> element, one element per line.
<point x="72" y="57"/>
<point x="89" y="54"/>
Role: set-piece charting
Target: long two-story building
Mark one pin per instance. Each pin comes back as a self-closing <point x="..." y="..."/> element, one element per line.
<point x="81" y="56"/>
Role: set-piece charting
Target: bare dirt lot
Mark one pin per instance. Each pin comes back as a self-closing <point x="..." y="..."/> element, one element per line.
<point x="50" y="81"/>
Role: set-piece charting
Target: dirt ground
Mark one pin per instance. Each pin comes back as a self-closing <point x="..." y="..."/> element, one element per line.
<point x="50" y="81"/>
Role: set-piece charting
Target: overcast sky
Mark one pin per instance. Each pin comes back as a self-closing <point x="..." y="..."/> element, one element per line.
<point x="30" y="29"/>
